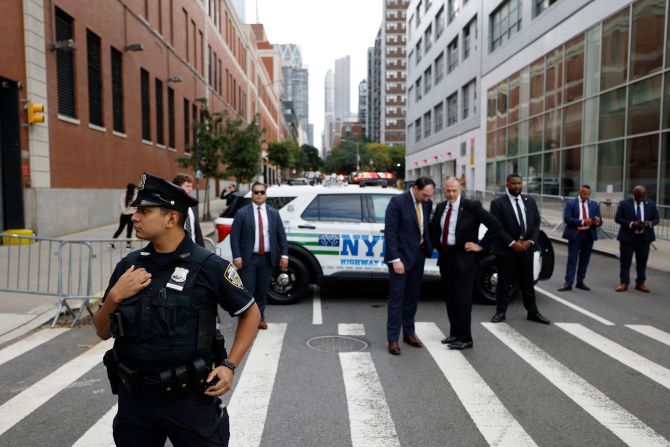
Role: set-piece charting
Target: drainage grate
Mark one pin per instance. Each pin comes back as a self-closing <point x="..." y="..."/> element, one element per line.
<point x="336" y="343"/>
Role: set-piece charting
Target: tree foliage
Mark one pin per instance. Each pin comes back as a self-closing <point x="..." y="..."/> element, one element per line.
<point x="373" y="157"/>
<point x="241" y="149"/>
<point x="312" y="158"/>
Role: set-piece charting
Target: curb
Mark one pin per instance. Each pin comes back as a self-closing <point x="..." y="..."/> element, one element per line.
<point x="46" y="315"/>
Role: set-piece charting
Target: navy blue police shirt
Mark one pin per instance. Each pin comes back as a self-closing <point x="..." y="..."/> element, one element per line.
<point x="160" y="322"/>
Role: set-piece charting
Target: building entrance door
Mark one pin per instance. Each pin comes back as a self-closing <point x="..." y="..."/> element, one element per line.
<point x="11" y="187"/>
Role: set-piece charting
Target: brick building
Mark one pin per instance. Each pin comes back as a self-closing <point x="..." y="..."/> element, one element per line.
<point x="122" y="83"/>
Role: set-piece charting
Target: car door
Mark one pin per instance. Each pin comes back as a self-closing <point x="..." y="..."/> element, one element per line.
<point x="334" y="230"/>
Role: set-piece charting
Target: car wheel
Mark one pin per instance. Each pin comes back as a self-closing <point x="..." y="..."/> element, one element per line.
<point x="291" y="285"/>
<point x="487" y="281"/>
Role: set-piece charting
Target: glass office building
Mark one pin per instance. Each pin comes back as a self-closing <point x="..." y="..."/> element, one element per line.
<point x="594" y="110"/>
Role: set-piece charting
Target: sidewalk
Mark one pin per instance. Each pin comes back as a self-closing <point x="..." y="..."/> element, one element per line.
<point x="22" y="313"/>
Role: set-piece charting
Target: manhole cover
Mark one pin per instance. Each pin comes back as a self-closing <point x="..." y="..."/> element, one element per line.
<point x="336" y="343"/>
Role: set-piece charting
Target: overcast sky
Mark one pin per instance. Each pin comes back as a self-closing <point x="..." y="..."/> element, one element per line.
<point x="325" y="30"/>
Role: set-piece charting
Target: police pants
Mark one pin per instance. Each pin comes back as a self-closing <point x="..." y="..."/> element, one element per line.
<point x="147" y="419"/>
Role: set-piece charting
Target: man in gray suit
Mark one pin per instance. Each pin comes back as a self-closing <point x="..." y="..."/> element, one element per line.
<point x="258" y="243"/>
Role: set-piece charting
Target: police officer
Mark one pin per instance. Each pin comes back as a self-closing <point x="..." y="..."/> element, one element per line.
<point x="168" y="365"/>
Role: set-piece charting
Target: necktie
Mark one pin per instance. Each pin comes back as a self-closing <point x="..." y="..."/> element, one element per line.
<point x="188" y="225"/>
<point x="261" y="237"/>
<point x="445" y="230"/>
<point x="417" y="205"/>
<point x="638" y="211"/>
<point x="522" y="224"/>
<point x="584" y="217"/>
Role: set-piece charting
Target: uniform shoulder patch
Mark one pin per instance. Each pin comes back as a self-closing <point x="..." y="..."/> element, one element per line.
<point x="233" y="277"/>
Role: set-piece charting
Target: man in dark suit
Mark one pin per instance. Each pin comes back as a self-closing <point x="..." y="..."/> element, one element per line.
<point x="192" y="224"/>
<point x="454" y="230"/>
<point x="514" y="247"/>
<point x="637" y="217"/>
<point x="582" y="219"/>
<point x="407" y="238"/>
<point x="258" y="243"/>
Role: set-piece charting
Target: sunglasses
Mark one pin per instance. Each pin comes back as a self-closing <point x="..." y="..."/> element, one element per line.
<point x="259" y="193"/>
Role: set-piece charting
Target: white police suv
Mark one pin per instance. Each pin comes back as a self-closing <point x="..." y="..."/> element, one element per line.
<point x="336" y="233"/>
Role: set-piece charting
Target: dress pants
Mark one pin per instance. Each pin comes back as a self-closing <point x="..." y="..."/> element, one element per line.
<point x="640" y="247"/>
<point x="256" y="276"/>
<point x="457" y="272"/>
<point x="579" y="250"/>
<point x="515" y="268"/>
<point x="403" y="298"/>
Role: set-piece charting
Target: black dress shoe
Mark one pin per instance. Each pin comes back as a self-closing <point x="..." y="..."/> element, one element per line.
<point x="498" y="317"/>
<point x="581" y="285"/>
<point x="538" y="318"/>
<point x="449" y="339"/>
<point x="566" y="287"/>
<point x="458" y="344"/>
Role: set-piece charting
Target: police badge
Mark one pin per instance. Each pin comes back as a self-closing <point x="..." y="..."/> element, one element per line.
<point x="177" y="279"/>
<point x="143" y="179"/>
<point x="232" y="276"/>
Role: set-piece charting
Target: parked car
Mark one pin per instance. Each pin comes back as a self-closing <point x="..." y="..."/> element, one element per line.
<point x="336" y="233"/>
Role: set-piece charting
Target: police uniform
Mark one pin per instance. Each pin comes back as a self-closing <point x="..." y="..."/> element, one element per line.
<point x="166" y="341"/>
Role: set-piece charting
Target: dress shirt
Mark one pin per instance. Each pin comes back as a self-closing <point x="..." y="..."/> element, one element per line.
<point x="635" y="203"/>
<point x="451" y="237"/>
<point x="192" y="217"/>
<point x="266" y="228"/>
<point x="512" y="199"/>
<point x="583" y="206"/>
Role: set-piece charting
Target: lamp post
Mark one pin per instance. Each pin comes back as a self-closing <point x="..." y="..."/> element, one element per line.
<point x="358" y="155"/>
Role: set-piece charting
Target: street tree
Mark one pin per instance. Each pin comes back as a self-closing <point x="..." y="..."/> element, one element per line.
<point x="279" y="154"/>
<point x="314" y="162"/>
<point x="241" y="148"/>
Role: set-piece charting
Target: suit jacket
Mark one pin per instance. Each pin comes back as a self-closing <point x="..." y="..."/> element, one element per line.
<point x="243" y="234"/>
<point x="572" y="216"/>
<point x="196" y="226"/>
<point x="625" y="214"/>
<point x="401" y="230"/>
<point x="501" y="208"/>
<point x="470" y="216"/>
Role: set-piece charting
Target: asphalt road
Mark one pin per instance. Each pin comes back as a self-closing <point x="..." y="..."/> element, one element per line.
<point x="589" y="380"/>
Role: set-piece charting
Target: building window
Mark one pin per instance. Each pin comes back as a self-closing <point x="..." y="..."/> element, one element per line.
<point x="427" y="126"/>
<point x="452" y="55"/>
<point x="452" y="109"/>
<point x="427" y="38"/>
<point x="439" y="68"/>
<point x="160" y="139"/>
<point x="187" y="125"/>
<point x="65" y="65"/>
<point x="469" y="34"/>
<point x="417" y="50"/>
<point x="94" y="62"/>
<point x="427" y="78"/>
<point x="428" y="5"/>
<point x="541" y="5"/>
<point x="453" y="6"/>
<point x="438" y="111"/>
<point x="504" y="22"/>
<point x="146" y="121"/>
<point x="418" y="14"/>
<point x="466" y="101"/>
<point x="439" y="23"/>
<point x="117" y="90"/>
<point x="417" y="130"/>
<point x="171" y="141"/>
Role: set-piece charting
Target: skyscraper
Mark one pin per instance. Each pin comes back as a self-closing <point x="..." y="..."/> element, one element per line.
<point x="329" y="112"/>
<point x="342" y="88"/>
<point x="296" y="84"/>
<point x="362" y="101"/>
<point x="374" y="90"/>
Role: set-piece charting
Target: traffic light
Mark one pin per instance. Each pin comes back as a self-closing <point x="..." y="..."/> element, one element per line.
<point x="35" y="112"/>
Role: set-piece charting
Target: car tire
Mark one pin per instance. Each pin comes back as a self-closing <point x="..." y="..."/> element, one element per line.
<point x="487" y="280"/>
<point x="291" y="285"/>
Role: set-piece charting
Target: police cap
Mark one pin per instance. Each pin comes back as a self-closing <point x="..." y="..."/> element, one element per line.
<point x="156" y="191"/>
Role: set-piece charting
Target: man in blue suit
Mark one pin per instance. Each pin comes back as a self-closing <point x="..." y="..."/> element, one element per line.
<point x="408" y="243"/>
<point x="637" y="217"/>
<point x="582" y="219"/>
<point x="258" y="242"/>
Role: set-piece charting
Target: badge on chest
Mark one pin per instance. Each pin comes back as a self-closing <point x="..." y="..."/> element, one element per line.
<point x="178" y="279"/>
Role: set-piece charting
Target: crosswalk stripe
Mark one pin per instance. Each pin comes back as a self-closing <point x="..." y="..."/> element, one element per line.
<point x="100" y="434"/>
<point x="651" y="332"/>
<point x="317" y="316"/>
<point x="24" y="403"/>
<point x="611" y="415"/>
<point x="654" y="371"/>
<point x="370" y="420"/>
<point x="493" y="420"/>
<point x="574" y="306"/>
<point x="21" y="347"/>
<point x="250" y="400"/>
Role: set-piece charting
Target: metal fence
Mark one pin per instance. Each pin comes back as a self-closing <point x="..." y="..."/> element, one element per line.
<point x="67" y="269"/>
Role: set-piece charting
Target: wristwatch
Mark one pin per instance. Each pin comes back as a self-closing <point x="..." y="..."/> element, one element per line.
<point x="228" y="364"/>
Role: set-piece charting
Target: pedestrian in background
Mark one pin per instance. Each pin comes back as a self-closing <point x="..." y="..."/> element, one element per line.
<point x="582" y="219"/>
<point x="514" y="247"/>
<point x="258" y="243"/>
<point x="127" y="211"/>
<point x="637" y="217"/>
<point x="167" y="365"/>
<point x="455" y="233"/>
<point x="408" y="243"/>
<point x="192" y="224"/>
